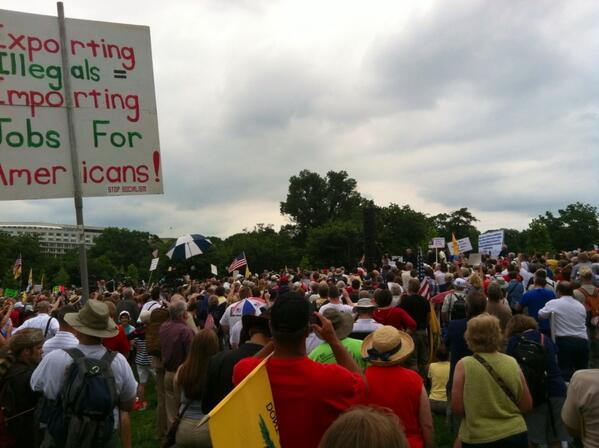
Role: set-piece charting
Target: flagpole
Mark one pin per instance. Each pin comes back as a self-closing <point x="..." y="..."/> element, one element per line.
<point x="77" y="193"/>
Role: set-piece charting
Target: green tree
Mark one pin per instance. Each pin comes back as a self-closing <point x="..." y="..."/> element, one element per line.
<point x="459" y="222"/>
<point x="313" y="200"/>
<point x="575" y="226"/>
<point x="402" y="228"/>
<point x="335" y="243"/>
<point x="61" y="277"/>
<point x="538" y="238"/>
<point x="132" y="273"/>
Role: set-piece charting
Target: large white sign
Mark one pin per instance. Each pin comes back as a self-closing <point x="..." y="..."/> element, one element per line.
<point x="115" y="119"/>
<point x="491" y="243"/>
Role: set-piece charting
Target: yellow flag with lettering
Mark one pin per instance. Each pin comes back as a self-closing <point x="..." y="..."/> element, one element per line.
<point x="246" y="417"/>
<point x="248" y="274"/>
<point x="454" y="245"/>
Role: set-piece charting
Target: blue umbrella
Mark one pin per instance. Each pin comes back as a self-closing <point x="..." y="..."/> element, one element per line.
<point x="187" y="246"/>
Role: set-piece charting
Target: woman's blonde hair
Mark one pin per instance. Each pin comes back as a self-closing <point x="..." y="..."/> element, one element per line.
<point x="475" y="281"/>
<point x="483" y="334"/>
<point x="365" y="427"/>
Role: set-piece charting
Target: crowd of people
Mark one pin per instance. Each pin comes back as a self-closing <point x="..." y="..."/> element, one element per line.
<point x="506" y="350"/>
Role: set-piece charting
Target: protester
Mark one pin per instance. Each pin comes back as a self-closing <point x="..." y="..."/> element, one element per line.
<point x="119" y="343"/>
<point x="588" y="295"/>
<point x="91" y="325"/>
<point x="392" y="386"/>
<point x="143" y="363"/>
<point x="496" y="305"/>
<point x="489" y="390"/>
<point x="454" y="304"/>
<point x="17" y="400"/>
<point x="365" y="323"/>
<point x="536" y="299"/>
<point x="438" y="374"/>
<point x="190" y="381"/>
<point x="127" y="303"/>
<point x="365" y="427"/>
<point x="308" y="396"/>
<point x="569" y="319"/>
<point x="175" y="342"/>
<point x="255" y="334"/>
<point x="64" y="337"/>
<point x="343" y="325"/>
<point x="581" y="409"/>
<point x="419" y="309"/>
<point x="44" y="321"/>
<point x="514" y="289"/>
<point x="537" y="357"/>
<point x="388" y="315"/>
<point x="335" y="302"/>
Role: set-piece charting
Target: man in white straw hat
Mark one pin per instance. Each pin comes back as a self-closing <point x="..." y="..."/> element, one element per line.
<point x="91" y="324"/>
<point x="392" y="386"/>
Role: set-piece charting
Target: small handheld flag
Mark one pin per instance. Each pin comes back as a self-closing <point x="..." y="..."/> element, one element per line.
<point x="16" y="270"/>
<point x="238" y="262"/>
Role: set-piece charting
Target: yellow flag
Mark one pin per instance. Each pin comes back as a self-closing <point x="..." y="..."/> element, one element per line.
<point x="454" y="245"/>
<point x="246" y="417"/>
<point x="30" y="281"/>
<point x="248" y="274"/>
<point x="434" y="332"/>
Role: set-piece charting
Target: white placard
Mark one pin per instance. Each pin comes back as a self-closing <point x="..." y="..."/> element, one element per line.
<point x="491" y="243"/>
<point x="154" y="264"/>
<point x="115" y="118"/>
<point x="213" y="269"/>
<point x="437" y="243"/>
<point x="464" y="245"/>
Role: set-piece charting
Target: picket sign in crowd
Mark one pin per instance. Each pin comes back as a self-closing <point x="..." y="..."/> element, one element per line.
<point x="506" y="350"/>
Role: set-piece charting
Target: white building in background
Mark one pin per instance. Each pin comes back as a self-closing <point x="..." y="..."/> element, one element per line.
<point x="55" y="239"/>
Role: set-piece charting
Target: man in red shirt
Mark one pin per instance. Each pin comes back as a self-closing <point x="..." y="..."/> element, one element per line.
<point x="390" y="315"/>
<point x="308" y="395"/>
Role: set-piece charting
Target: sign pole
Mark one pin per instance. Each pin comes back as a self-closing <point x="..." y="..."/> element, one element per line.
<point x="73" y="149"/>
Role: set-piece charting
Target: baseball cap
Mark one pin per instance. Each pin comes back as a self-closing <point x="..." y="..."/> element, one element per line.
<point x="459" y="282"/>
<point x="290" y="313"/>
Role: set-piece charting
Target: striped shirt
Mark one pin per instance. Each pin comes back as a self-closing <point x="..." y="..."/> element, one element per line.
<point x="141" y="356"/>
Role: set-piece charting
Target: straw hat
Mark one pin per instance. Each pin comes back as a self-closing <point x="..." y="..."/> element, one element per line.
<point x="93" y="319"/>
<point x="365" y="303"/>
<point x="387" y="346"/>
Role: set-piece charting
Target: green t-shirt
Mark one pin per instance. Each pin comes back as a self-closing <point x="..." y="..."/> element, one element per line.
<point x="324" y="354"/>
<point x="490" y="414"/>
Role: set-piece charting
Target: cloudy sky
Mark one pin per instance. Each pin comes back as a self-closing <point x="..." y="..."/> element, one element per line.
<point x="488" y="105"/>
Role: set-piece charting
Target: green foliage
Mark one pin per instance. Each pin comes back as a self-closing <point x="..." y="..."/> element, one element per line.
<point x="402" y="228"/>
<point x="575" y="227"/>
<point x="335" y="243"/>
<point x="313" y="200"/>
<point x="538" y="238"/>
<point x="460" y="222"/>
<point x="61" y="277"/>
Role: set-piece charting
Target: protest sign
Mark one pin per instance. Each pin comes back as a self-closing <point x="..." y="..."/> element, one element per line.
<point x="437" y="243"/>
<point x="213" y="269"/>
<point x="10" y="292"/>
<point x="250" y="405"/>
<point x="491" y="243"/>
<point x="154" y="264"/>
<point x="464" y="245"/>
<point x="474" y="259"/>
<point x="114" y="109"/>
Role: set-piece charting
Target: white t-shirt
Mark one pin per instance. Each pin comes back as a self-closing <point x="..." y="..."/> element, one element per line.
<point x="50" y="374"/>
<point x="366" y="326"/>
<point x="569" y="316"/>
<point x="341" y="307"/>
<point x="40" y="321"/>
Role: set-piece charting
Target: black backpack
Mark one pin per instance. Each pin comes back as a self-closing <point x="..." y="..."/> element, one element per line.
<point x="83" y="415"/>
<point x="532" y="358"/>
<point x="457" y="309"/>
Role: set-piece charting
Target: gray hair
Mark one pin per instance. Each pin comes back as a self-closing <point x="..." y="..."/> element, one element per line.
<point x="177" y="309"/>
<point x="395" y="289"/>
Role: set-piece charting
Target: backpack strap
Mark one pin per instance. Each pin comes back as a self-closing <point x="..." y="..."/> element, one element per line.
<point x="497" y="378"/>
<point x="47" y="326"/>
<point x="74" y="353"/>
<point x="108" y="358"/>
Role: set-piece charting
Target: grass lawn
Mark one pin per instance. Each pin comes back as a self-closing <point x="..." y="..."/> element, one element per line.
<point x="143" y="425"/>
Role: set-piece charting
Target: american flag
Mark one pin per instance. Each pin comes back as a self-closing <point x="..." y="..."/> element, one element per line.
<point x="16" y="269"/>
<point x="238" y="262"/>
<point x="425" y="289"/>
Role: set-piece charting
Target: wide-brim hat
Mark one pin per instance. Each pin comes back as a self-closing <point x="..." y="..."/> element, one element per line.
<point x="343" y="323"/>
<point x="387" y="346"/>
<point x="365" y="304"/>
<point x="93" y="320"/>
